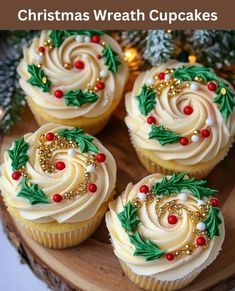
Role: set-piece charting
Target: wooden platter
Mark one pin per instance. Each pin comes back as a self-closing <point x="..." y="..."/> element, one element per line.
<point x="92" y="265"/>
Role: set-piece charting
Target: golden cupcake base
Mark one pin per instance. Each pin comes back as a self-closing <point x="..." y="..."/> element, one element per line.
<point x="154" y="164"/>
<point x="89" y="125"/>
<point x="149" y="283"/>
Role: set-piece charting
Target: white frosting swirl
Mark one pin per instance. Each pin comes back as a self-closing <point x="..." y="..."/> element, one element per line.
<point x="160" y="232"/>
<point x="78" y="209"/>
<point x="168" y="112"/>
<point x="62" y="79"/>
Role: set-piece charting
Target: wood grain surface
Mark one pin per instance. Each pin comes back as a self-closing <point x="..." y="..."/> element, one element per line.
<point x="92" y="265"/>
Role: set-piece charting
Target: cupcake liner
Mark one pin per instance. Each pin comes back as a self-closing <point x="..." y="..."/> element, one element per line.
<point x="149" y="283"/>
<point x="57" y="235"/>
<point x="90" y="125"/>
<point x="63" y="240"/>
<point x="156" y="165"/>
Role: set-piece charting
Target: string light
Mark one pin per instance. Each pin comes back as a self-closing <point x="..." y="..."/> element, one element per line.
<point x="192" y="59"/>
<point x="133" y="58"/>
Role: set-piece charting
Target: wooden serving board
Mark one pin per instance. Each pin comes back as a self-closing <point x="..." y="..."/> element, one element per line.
<point x="92" y="265"/>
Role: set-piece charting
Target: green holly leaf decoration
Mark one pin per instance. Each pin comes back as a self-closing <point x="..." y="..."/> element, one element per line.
<point x="177" y="182"/>
<point x="128" y="217"/>
<point x="32" y="193"/>
<point x="163" y="136"/>
<point x="78" y="135"/>
<point x="78" y="98"/>
<point x="38" y="78"/>
<point x="147" y="100"/>
<point x="226" y="100"/>
<point x="189" y="73"/>
<point x="212" y="222"/>
<point x="57" y="37"/>
<point x="18" y="154"/>
<point x="83" y="32"/>
<point x="146" y="248"/>
<point x="111" y="59"/>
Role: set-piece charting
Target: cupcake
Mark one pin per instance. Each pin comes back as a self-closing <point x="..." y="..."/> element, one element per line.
<point x="165" y="230"/>
<point x="181" y="119"/>
<point x="56" y="184"/>
<point x="74" y="78"/>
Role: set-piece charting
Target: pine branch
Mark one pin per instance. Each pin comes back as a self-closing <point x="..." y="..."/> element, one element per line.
<point x="145" y="248"/>
<point x="212" y="222"/>
<point x="177" y="182"/>
<point x="163" y="136"/>
<point x="38" y="78"/>
<point x="189" y="73"/>
<point x="147" y="100"/>
<point x="32" y="193"/>
<point x="111" y="59"/>
<point x="18" y="154"/>
<point x="128" y="217"/>
<point x="78" y="97"/>
<point x="78" y="135"/>
<point x="226" y="100"/>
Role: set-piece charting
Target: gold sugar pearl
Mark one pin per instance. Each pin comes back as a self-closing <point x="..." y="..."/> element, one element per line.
<point x="197" y="132"/>
<point x="189" y="252"/>
<point x="137" y="204"/>
<point x="67" y="66"/>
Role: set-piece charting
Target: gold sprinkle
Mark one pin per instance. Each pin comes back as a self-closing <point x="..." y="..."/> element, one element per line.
<point x="67" y="66"/>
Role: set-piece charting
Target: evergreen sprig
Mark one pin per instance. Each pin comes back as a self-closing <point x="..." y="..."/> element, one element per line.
<point x="177" y="182"/>
<point x="189" y="73"/>
<point x="162" y="135"/>
<point x="146" y="248"/>
<point x="78" y="135"/>
<point x="18" y="154"/>
<point x="226" y="101"/>
<point x="32" y="193"/>
<point x="128" y="217"/>
<point x="212" y="222"/>
<point x="78" y="97"/>
<point x="146" y="99"/>
<point x="57" y="37"/>
<point x="111" y="59"/>
<point x="38" y="78"/>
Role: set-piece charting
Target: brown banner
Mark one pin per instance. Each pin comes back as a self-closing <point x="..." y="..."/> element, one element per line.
<point x="117" y="14"/>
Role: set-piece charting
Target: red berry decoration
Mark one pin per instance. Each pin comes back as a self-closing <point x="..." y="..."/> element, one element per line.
<point x="95" y="38"/>
<point x="215" y="202"/>
<point x="16" y="175"/>
<point x="188" y="110"/>
<point x="57" y="198"/>
<point x="60" y="166"/>
<point x="100" y="85"/>
<point x="161" y="76"/>
<point x="58" y="93"/>
<point x="101" y="157"/>
<point x="144" y="189"/>
<point x="212" y="86"/>
<point x="50" y="136"/>
<point x="79" y="65"/>
<point x="205" y="133"/>
<point x="151" y="120"/>
<point x="184" y="141"/>
<point x="99" y="57"/>
<point x="172" y="219"/>
<point x="92" y="188"/>
<point x="170" y="256"/>
<point x="41" y="49"/>
<point x="201" y="241"/>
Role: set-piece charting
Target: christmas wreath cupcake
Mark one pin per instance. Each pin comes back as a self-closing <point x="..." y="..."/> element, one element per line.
<point x="181" y="118"/>
<point x="57" y="183"/>
<point x="73" y="77"/>
<point x="165" y="230"/>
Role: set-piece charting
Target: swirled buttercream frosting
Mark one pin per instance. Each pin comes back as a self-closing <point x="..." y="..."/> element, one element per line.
<point x="71" y="74"/>
<point x="57" y="174"/>
<point x="166" y="226"/>
<point x="181" y="112"/>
